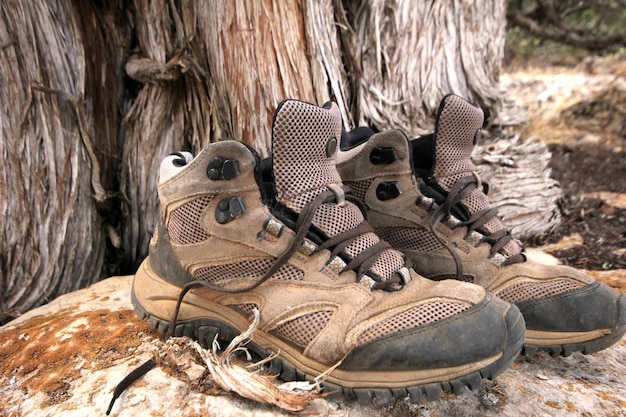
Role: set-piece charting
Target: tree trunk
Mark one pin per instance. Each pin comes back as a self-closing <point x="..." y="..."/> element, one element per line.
<point x="94" y="94"/>
<point x="413" y="53"/>
<point x="59" y="131"/>
<point x="231" y="64"/>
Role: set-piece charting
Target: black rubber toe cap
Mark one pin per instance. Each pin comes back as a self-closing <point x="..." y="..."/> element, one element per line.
<point x="593" y="307"/>
<point x="480" y="332"/>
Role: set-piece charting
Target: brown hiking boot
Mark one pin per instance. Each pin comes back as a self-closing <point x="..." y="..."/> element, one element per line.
<point x="424" y="197"/>
<point x="282" y="237"/>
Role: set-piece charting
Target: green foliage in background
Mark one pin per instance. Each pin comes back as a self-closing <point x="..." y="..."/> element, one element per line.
<point x="562" y="29"/>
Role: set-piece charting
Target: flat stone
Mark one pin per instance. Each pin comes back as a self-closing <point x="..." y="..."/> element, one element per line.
<point x="541" y="256"/>
<point x="65" y="359"/>
<point x="567" y="242"/>
<point x="617" y="200"/>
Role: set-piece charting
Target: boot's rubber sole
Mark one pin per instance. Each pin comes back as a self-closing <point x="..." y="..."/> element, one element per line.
<point x="565" y="343"/>
<point x="203" y="320"/>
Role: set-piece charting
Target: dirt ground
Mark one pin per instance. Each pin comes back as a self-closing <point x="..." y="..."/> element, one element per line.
<point x="580" y="112"/>
<point x="584" y="169"/>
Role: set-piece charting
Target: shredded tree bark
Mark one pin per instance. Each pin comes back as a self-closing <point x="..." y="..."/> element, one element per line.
<point x="58" y="144"/>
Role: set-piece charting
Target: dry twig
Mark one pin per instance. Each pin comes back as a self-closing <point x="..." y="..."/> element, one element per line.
<point x="245" y="379"/>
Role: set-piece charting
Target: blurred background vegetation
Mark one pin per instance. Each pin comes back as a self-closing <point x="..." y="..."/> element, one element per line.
<point x="562" y="32"/>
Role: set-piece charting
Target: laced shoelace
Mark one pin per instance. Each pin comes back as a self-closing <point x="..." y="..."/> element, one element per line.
<point x="360" y="264"/>
<point x="497" y="240"/>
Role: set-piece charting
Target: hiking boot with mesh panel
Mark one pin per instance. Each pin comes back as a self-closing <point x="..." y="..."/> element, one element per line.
<point x="288" y="241"/>
<point x="424" y="197"/>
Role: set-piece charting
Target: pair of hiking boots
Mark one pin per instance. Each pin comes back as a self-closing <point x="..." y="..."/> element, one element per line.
<point x="431" y="294"/>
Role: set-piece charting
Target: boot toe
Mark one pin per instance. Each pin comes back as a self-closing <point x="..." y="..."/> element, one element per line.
<point x="589" y="319"/>
<point x="489" y="333"/>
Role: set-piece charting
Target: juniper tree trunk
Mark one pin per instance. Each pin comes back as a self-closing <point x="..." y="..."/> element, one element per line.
<point x="411" y="53"/>
<point x="60" y="98"/>
<point x="215" y="71"/>
<point x="94" y="94"/>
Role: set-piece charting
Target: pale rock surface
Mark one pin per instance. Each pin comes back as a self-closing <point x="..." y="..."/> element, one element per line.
<point x="65" y="358"/>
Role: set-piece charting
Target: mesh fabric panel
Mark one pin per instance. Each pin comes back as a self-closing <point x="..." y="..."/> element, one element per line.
<point x="477" y="201"/>
<point x="301" y="167"/>
<point x="413" y="317"/>
<point x="359" y="188"/>
<point x="253" y="270"/>
<point x="406" y="238"/>
<point x="456" y="128"/>
<point x="388" y="263"/>
<point x="361" y="243"/>
<point x="333" y="219"/>
<point x="246" y="308"/>
<point x="302" y="170"/>
<point x="184" y="226"/>
<point x="302" y="330"/>
<point x="523" y="291"/>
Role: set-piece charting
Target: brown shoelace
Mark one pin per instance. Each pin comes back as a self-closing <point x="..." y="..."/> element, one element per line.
<point x="360" y="264"/>
<point x="476" y="222"/>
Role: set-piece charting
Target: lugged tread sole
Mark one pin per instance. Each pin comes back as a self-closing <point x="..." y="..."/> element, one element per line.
<point x="205" y="330"/>
<point x="566" y="350"/>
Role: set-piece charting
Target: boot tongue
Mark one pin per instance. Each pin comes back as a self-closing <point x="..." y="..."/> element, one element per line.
<point x="305" y="139"/>
<point x="456" y="128"/>
<point x="455" y="131"/>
